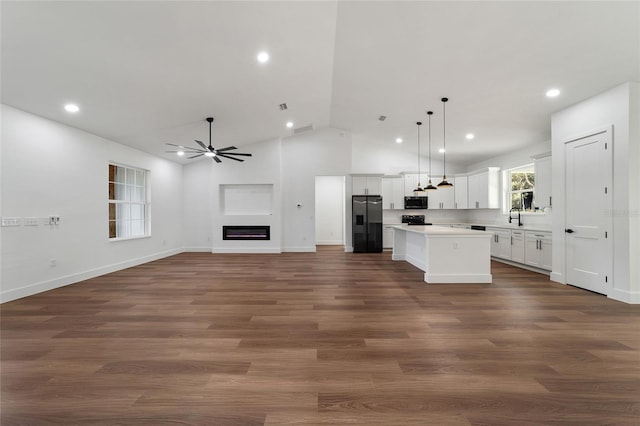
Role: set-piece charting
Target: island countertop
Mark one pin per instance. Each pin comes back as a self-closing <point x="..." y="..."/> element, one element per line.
<point x="435" y="230"/>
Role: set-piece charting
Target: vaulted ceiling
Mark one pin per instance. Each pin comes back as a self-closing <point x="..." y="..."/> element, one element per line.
<point x="147" y="73"/>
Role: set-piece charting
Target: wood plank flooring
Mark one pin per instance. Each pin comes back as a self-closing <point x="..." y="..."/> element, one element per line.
<point x="317" y="338"/>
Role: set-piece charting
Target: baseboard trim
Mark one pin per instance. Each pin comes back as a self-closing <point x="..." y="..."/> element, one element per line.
<point x="329" y="243"/>
<point x="31" y="289"/>
<point x="557" y="278"/>
<point x="631" y="297"/>
<point x="458" y="279"/>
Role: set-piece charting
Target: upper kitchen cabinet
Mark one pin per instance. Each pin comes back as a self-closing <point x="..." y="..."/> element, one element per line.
<point x="393" y="193"/>
<point x="542" y="170"/>
<point x="484" y="189"/>
<point x="366" y="184"/>
<point x="461" y="192"/>
<point x="442" y="198"/>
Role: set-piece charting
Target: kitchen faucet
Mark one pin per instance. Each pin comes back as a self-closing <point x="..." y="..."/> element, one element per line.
<point x="510" y="218"/>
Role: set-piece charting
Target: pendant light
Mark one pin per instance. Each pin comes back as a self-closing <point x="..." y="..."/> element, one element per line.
<point x="419" y="189"/>
<point x="444" y="146"/>
<point x="430" y="186"/>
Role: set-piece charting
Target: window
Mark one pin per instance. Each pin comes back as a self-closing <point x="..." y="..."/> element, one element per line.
<point x="128" y="207"/>
<point x="521" y="183"/>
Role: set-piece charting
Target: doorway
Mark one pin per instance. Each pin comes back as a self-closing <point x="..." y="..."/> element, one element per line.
<point x="588" y="236"/>
<point x="330" y="210"/>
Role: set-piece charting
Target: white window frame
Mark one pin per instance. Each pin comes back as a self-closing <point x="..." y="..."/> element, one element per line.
<point x="506" y="184"/>
<point x="128" y="195"/>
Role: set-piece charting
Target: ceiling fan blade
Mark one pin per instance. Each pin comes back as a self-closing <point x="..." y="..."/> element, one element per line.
<point x="173" y="144"/>
<point x="238" y="153"/>
<point x="226" y="149"/>
<point x="195" y="156"/>
<point x="216" y="159"/>
<point x="226" y="156"/>
<point x="201" y="144"/>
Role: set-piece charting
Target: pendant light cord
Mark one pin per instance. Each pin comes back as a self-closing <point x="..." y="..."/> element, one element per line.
<point x="444" y="138"/>
<point x="419" y="124"/>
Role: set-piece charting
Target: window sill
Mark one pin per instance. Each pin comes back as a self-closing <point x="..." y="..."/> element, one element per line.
<point x="115" y="240"/>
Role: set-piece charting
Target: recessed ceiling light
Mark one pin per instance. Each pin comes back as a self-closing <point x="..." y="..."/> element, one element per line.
<point x="209" y="154"/>
<point x="441" y="150"/>
<point x="552" y="93"/>
<point x="398" y="140"/>
<point x="470" y="136"/>
<point x="289" y="124"/>
<point x="263" y="57"/>
<point x="180" y="153"/>
<point x="71" y="108"/>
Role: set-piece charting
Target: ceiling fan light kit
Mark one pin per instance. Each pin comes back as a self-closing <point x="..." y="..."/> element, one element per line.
<point x="210" y="151"/>
<point x="444" y="182"/>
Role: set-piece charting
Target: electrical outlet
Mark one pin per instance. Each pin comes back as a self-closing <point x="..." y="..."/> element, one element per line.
<point x="10" y="221"/>
<point x="30" y="221"/>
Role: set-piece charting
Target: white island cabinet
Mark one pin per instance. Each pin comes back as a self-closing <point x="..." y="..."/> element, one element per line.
<point x="445" y="254"/>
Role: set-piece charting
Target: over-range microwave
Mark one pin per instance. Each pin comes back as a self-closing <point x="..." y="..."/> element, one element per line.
<point x="415" y="202"/>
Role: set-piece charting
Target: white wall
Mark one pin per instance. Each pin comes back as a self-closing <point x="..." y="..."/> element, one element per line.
<point x="330" y="198"/>
<point x="391" y="160"/>
<point x="617" y="107"/>
<point x="507" y="161"/>
<point x="198" y="195"/>
<point x="52" y="169"/>
<point x="324" y="152"/>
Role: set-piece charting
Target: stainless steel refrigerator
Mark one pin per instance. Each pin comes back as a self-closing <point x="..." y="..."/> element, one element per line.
<point x="366" y="223"/>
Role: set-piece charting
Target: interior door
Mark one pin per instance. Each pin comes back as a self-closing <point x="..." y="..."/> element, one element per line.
<point x="587" y="224"/>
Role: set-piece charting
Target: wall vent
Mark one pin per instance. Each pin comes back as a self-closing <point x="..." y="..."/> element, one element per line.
<point x="283" y="106"/>
<point x="303" y="129"/>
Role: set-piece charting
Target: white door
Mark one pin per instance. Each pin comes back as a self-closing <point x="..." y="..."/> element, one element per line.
<point x="588" y="214"/>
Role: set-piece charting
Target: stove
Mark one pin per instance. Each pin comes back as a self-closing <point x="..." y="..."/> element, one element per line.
<point x="414" y="219"/>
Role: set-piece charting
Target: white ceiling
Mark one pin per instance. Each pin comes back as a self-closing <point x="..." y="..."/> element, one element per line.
<point x="147" y="73"/>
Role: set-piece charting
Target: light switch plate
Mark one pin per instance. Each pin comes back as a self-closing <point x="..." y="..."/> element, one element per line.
<point x="30" y="221"/>
<point x="10" y="221"/>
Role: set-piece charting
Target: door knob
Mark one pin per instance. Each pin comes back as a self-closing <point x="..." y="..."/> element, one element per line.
<point x="569" y="231"/>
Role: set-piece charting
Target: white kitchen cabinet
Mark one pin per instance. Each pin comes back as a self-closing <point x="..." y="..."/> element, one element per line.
<point x="441" y="198"/>
<point x="461" y="192"/>
<point x="387" y="236"/>
<point x="500" y="243"/>
<point x="393" y="193"/>
<point x="542" y="191"/>
<point x="484" y="189"/>
<point x="517" y="246"/>
<point x="538" y="249"/>
<point x="366" y="184"/>
<point x="411" y="182"/>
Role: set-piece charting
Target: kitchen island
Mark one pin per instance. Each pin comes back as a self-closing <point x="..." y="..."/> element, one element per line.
<point x="445" y="254"/>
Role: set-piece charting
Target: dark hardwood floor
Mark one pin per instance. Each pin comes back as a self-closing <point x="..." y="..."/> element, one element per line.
<point x="317" y="338"/>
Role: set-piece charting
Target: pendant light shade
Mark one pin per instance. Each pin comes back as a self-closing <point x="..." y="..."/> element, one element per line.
<point x="444" y="182"/>
<point x="430" y="186"/>
<point x="418" y="189"/>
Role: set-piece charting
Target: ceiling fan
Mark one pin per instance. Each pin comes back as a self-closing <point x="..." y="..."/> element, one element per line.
<point x="210" y="151"/>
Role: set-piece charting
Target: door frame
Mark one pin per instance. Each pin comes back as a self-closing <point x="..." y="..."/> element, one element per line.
<point x="607" y="133"/>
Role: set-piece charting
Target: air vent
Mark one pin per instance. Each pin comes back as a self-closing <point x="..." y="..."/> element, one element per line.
<point x="303" y="129"/>
<point x="382" y="117"/>
<point x="283" y="107"/>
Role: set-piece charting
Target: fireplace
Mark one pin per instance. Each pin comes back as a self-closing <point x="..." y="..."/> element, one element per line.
<point x="236" y="232"/>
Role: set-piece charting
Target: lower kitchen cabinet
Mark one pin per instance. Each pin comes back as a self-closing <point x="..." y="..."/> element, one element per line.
<point x="500" y="243"/>
<point x="517" y="246"/>
<point x="387" y="236"/>
<point x="537" y="249"/>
